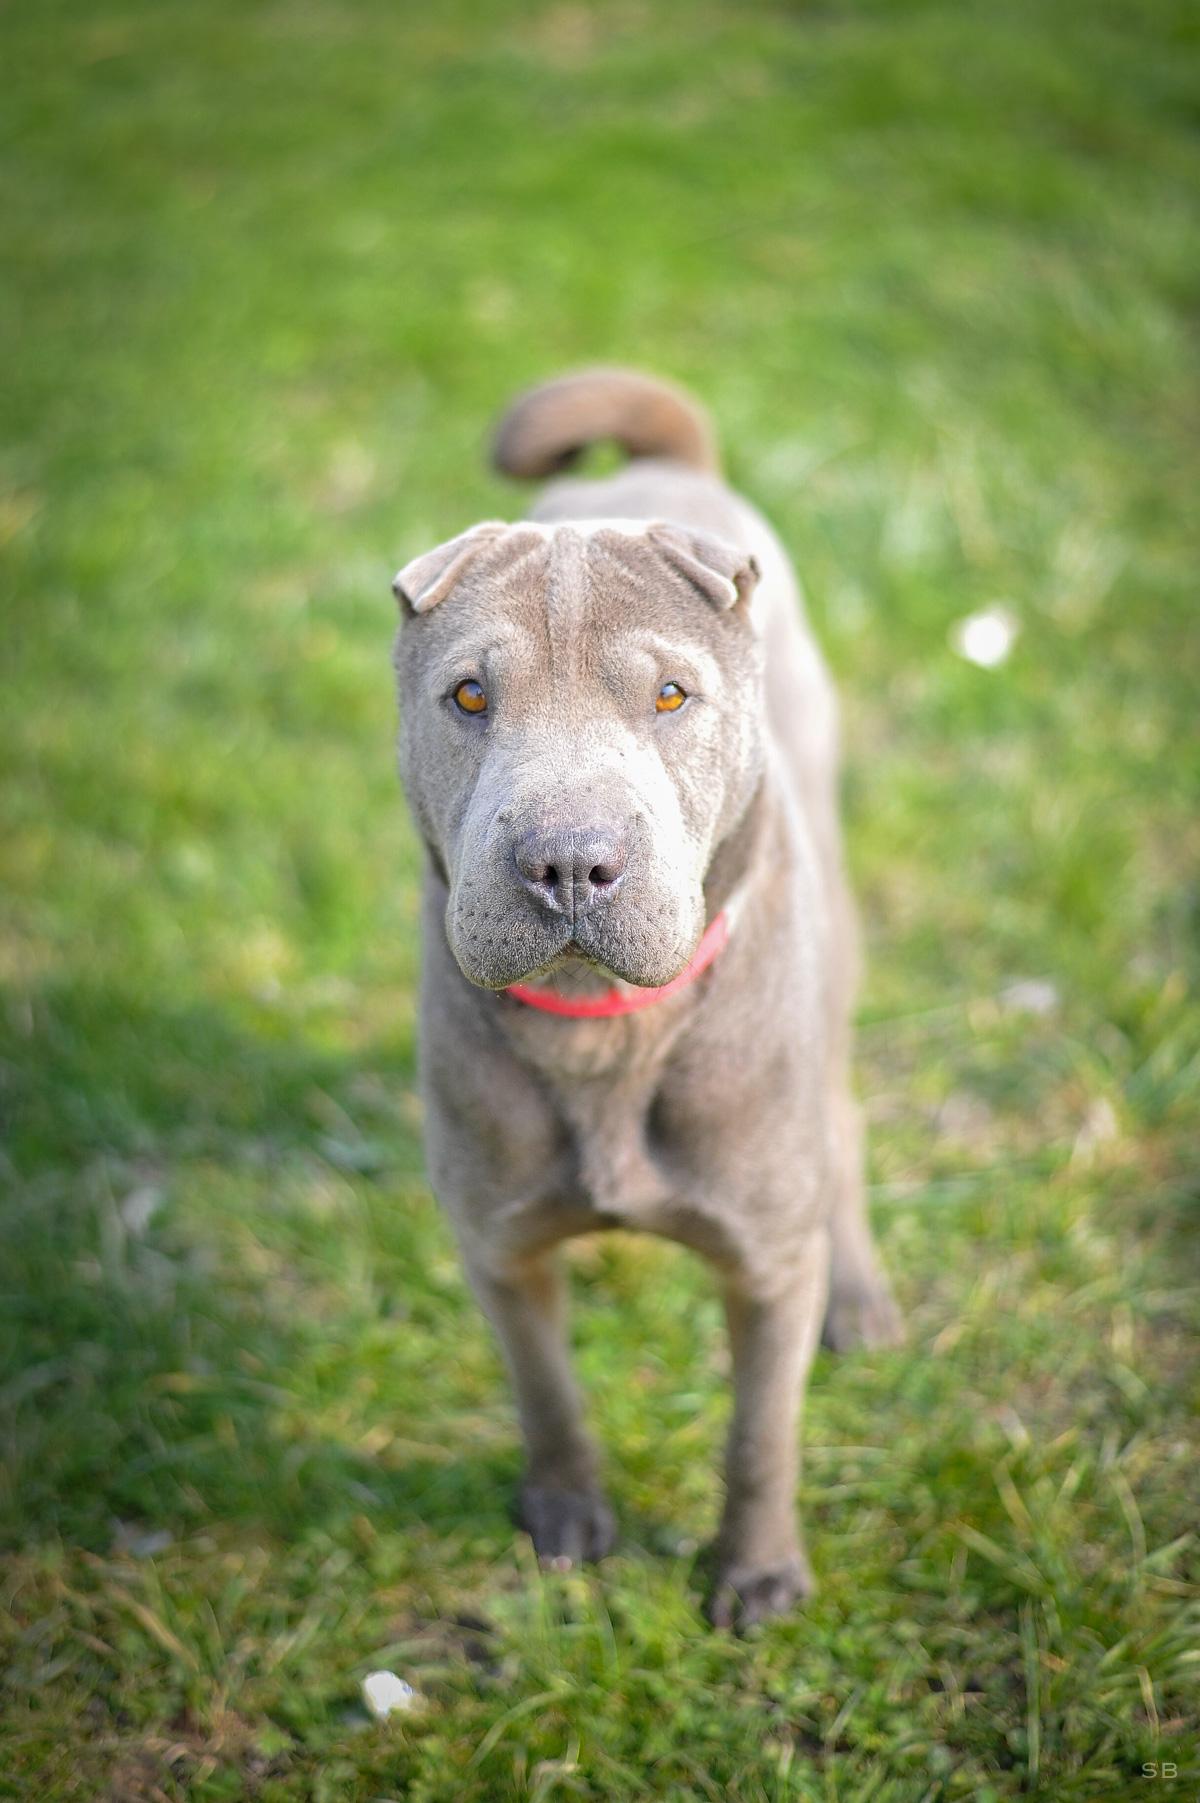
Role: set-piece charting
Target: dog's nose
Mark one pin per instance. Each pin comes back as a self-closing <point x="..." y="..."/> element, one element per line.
<point x="567" y="868"/>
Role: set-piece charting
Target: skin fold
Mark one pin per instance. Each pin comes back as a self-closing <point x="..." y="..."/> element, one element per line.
<point x="580" y="834"/>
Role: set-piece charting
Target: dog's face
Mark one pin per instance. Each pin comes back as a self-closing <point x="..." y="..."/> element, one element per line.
<point x="580" y="729"/>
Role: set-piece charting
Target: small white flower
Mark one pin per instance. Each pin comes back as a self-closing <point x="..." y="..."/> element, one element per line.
<point x="1030" y="995"/>
<point x="986" y="638"/>
<point x="1100" y="1127"/>
<point x="140" y="1207"/>
<point x="384" y="1693"/>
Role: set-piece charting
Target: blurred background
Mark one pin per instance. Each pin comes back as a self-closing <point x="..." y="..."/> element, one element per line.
<point x="272" y="270"/>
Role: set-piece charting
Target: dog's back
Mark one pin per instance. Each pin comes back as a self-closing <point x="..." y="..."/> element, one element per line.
<point x="674" y="474"/>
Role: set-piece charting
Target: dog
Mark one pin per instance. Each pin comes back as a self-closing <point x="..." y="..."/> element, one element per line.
<point x="619" y="745"/>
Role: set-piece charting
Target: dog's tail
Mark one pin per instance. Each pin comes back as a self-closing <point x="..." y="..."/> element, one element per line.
<point x="547" y="428"/>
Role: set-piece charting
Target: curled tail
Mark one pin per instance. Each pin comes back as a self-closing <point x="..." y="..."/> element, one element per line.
<point x="547" y="428"/>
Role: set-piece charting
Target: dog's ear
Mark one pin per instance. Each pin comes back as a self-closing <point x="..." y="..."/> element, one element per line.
<point x="429" y="578"/>
<point x="724" y="574"/>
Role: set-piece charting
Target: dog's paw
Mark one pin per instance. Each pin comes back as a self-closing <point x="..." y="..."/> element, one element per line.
<point x="567" y="1527"/>
<point x="862" y="1318"/>
<point x="745" y="1594"/>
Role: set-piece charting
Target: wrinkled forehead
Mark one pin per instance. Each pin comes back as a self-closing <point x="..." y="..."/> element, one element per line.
<point x="584" y="600"/>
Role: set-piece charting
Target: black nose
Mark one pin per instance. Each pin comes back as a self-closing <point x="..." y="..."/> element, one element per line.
<point x="566" y="868"/>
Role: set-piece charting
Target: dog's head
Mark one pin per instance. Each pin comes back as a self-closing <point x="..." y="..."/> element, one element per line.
<point x="580" y="729"/>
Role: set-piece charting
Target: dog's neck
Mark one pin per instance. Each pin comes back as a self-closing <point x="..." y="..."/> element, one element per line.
<point x="735" y="854"/>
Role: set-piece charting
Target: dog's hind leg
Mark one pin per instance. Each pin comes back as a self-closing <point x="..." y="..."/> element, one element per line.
<point x="861" y="1310"/>
<point x="561" y="1503"/>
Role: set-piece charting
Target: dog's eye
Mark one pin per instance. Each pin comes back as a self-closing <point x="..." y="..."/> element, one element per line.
<point x="670" y="697"/>
<point x="470" y="698"/>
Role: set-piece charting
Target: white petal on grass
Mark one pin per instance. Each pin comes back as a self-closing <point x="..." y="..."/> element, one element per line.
<point x="1100" y="1127"/>
<point x="140" y="1207"/>
<point x="986" y="638"/>
<point x="140" y="1543"/>
<point x="385" y="1694"/>
<point x="1030" y="995"/>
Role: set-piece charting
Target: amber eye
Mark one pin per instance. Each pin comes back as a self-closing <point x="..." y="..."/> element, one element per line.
<point x="670" y="697"/>
<point x="469" y="696"/>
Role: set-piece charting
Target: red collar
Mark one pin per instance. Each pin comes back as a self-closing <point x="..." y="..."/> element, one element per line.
<point x="628" y="1001"/>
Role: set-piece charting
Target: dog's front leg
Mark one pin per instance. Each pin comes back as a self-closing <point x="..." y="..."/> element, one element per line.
<point x="773" y="1332"/>
<point x="561" y="1503"/>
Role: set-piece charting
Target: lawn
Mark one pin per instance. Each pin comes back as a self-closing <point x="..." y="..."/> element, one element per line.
<point x="272" y="269"/>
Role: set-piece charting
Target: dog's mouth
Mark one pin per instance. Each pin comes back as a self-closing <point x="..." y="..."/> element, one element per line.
<point x="582" y="967"/>
<point x="571" y="969"/>
<point x="576" y="965"/>
<point x="596" y="956"/>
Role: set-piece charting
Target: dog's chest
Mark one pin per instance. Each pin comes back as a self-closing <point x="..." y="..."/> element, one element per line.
<point x="628" y="1173"/>
<point x="600" y="1079"/>
<point x="650" y="1131"/>
<point x="617" y="1173"/>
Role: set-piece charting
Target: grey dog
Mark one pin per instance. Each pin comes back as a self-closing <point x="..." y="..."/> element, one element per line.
<point x="619" y="744"/>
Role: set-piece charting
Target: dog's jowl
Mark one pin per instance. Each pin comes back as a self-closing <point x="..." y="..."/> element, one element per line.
<point x="619" y="743"/>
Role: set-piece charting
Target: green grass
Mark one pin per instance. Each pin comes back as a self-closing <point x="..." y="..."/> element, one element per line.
<point x="934" y="267"/>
